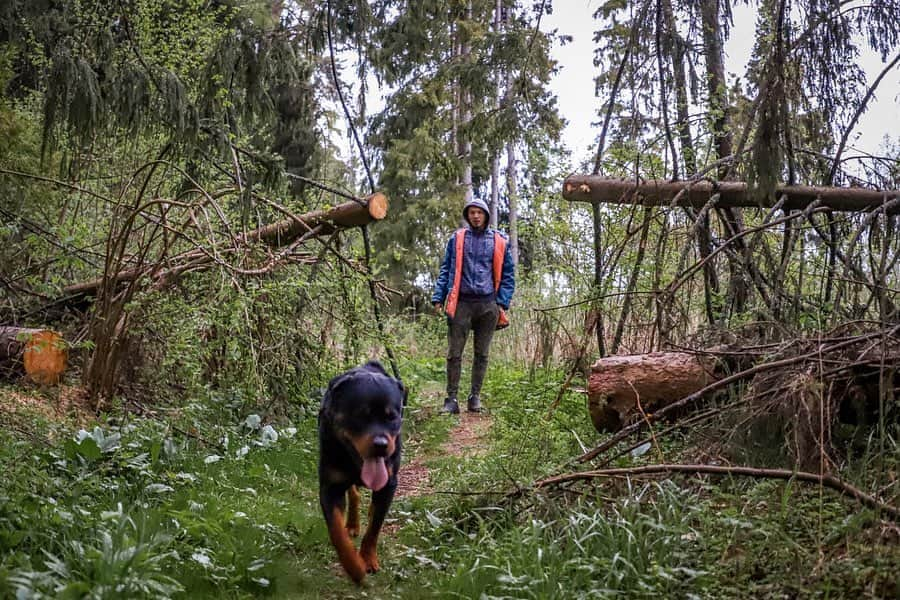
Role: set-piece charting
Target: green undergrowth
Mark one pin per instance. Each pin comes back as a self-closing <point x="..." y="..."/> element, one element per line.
<point x="214" y="501"/>
<point x="679" y="537"/>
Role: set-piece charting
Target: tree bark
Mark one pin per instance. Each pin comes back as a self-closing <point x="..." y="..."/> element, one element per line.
<point x="41" y="354"/>
<point x="632" y="281"/>
<point x="511" y="183"/>
<point x="348" y="214"/>
<point x="620" y="388"/>
<point x="597" y="318"/>
<point x="495" y="191"/>
<point x="465" y="100"/>
<point x="714" y="44"/>
<point x="512" y="199"/>
<point x="682" y="124"/>
<point x="495" y="160"/>
<point x="596" y="189"/>
<point x="688" y="153"/>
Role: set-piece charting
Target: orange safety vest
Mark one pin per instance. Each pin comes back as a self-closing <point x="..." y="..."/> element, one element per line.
<point x="499" y="252"/>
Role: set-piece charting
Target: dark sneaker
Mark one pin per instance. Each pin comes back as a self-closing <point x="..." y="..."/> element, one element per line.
<point x="451" y="406"/>
<point x="473" y="404"/>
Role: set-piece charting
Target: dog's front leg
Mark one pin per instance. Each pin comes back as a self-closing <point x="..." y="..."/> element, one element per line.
<point x="332" y="499"/>
<point x="353" y="511"/>
<point x="381" y="501"/>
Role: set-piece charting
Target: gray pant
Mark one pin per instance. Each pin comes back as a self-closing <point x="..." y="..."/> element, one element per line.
<point x="481" y="317"/>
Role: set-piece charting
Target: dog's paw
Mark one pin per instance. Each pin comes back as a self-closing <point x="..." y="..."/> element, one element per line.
<point x="355" y="567"/>
<point x="370" y="558"/>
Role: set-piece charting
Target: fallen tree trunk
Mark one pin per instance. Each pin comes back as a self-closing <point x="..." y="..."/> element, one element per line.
<point x="41" y="354"/>
<point x="593" y="188"/>
<point x="279" y="234"/>
<point x="348" y="214"/>
<point x="620" y="388"/>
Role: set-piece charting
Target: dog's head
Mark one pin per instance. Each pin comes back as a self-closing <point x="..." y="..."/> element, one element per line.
<point x="364" y="407"/>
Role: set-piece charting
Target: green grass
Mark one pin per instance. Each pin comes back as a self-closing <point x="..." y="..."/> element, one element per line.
<point x="141" y="510"/>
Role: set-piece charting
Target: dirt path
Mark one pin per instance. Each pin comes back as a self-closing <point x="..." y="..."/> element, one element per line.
<point x="464" y="440"/>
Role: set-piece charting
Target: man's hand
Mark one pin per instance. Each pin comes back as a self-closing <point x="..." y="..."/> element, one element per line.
<point x="438" y="307"/>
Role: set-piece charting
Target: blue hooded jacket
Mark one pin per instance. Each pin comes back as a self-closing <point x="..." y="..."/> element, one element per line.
<point x="477" y="282"/>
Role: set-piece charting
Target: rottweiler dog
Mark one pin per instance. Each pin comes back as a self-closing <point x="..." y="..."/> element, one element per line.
<point x="359" y="444"/>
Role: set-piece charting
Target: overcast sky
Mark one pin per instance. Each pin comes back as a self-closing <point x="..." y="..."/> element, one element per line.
<point x="574" y="85"/>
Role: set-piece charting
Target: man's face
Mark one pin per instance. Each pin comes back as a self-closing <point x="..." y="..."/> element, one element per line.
<point x="476" y="217"/>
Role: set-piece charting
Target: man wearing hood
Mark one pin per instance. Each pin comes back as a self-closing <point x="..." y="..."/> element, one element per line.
<point x="474" y="292"/>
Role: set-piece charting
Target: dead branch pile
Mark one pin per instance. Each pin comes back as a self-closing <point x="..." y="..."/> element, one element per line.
<point x="852" y="361"/>
<point x="799" y="408"/>
<point x="799" y="396"/>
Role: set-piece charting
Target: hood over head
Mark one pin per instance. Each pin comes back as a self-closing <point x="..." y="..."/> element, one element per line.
<point x="477" y="202"/>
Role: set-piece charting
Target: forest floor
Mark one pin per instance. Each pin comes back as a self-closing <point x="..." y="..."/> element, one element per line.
<point x="59" y="404"/>
<point x="203" y="501"/>
<point x="466" y="440"/>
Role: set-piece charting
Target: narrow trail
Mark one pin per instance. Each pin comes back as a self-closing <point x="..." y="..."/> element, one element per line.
<point x="465" y="438"/>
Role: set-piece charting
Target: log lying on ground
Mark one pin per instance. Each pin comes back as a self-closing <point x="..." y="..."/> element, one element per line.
<point x="618" y="383"/>
<point x="593" y="188"/>
<point x="279" y="234"/>
<point x="41" y="354"/>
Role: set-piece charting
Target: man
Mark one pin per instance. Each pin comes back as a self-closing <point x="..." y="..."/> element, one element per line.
<point x="474" y="288"/>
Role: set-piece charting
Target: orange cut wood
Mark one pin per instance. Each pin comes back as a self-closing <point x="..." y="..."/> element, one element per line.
<point x="42" y="353"/>
<point x="377" y="205"/>
<point x="46" y="357"/>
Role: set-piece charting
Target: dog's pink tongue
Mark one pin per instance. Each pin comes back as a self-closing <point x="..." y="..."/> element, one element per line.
<point x="374" y="473"/>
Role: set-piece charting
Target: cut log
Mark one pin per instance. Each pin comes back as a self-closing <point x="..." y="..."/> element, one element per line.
<point x="41" y="354"/>
<point x="348" y="214"/>
<point x="593" y="188"/>
<point x="617" y="383"/>
<point x="281" y="233"/>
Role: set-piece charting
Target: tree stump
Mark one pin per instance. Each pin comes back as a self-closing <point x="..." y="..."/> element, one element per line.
<point x="41" y="354"/>
<point x="620" y="387"/>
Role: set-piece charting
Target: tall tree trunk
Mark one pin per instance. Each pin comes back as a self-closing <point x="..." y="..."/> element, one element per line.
<point x="732" y="218"/>
<point x="682" y="125"/>
<point x="632" y="281"/>
<point x="689" y="155"/>
<point x="511" y="187"/>
<point x="662" y="65"/>
<point x="654" y="301"/>
<point x="495" y="161"/>
<point x="512" y="199"/>
<point x="715" y="78"/>
<point x="456" y="111"/>
<point x="597" y="318"/>
<point x="466" y="99"/>
<point x="495" y="190"/>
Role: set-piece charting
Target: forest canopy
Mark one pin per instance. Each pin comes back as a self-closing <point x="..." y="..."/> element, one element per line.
<point x="208" y="208"/>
